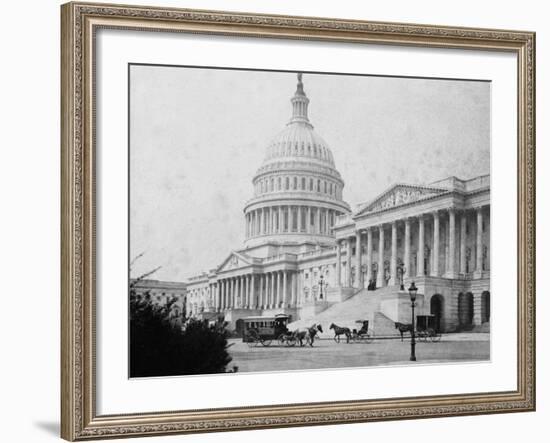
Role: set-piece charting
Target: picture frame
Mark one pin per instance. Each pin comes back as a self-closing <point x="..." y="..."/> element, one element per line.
<point x="80" y="23"/>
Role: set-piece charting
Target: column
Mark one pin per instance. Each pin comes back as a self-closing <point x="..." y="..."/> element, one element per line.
<point x="217" y="296"/>
<point x="293" y="289"/>
<point x="380" y="274"/>
<point x="348" y="263"/>
<point x="420" y="252"/>
<point x="338" y="263"/>
<point x="451" y="267"/>
<point x="393" y="258"/>
<point x="279" y="289"/>
<point x="327" y="222"/>
<point x="280" y="221"/>
<point x="319" y="226"/>
<point x="308" y="222"/>
<point x="479" y="243"/>
<point x="435" y="249"/>
<point x="285" y="301"/>
<point x="358" y="264"/>
<point x="299" y="219"/>
<point x="369" y="255"/>
<point x="463" y="221"/>
<point x="271" y="297"/>
<point x="247" y="292"/>
<point x="290" y="218"/>
<point x="229" y="293"/>
<point x="407" y="249"/>
<point x="260" y="301"/>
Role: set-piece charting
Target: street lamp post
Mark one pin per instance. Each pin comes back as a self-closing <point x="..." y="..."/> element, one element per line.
<point x="412" y="293"/>
<point x="321" y="287"/>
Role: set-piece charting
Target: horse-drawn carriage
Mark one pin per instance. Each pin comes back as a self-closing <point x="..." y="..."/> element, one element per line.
<point x="426" y="328"/>
<point x="362" y="335"/>
<point x="263" y="330"/>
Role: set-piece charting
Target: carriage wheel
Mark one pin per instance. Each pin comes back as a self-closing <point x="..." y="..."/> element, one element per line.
<point x="422" y="336"/>
<point x="355" y="338"/>
<point x="252" y="340"/>
<point x="282" y="340"/>
<point x="369" y="337"/>
<point x="266" y="342"/>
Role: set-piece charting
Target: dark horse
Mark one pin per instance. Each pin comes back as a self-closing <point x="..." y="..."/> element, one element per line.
<point x="308" y="334"/>
<point x="338" y="331"/>
<point x="403" y="327"/>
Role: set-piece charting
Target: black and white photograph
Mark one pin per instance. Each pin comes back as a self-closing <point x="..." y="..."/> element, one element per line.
<point x="257" y="245"/>
<point x="283" y="221"/>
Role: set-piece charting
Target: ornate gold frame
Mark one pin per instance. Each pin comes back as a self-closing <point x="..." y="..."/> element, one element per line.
<point x="79" y="420"/>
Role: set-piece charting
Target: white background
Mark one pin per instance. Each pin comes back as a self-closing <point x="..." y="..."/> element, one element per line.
<point x="29" y="241"/>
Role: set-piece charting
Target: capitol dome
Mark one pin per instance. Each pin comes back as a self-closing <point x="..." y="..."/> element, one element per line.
<point x="297" y="189"/>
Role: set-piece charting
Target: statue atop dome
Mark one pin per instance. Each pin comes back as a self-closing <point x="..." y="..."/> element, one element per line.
<point x="300" y="86"/>
<point x="299" y="104"/>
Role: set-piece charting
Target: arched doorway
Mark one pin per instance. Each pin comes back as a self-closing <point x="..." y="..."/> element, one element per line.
<point x="485" y="306"/>
<point x="436" y="309"/>
<point x="465" y="310"/>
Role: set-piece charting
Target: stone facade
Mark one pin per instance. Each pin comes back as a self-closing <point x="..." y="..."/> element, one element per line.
<point x="161" y="292"/>
<point x="305" y="250"/>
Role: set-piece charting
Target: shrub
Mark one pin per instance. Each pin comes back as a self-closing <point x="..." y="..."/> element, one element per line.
<point x="159" y="348"/>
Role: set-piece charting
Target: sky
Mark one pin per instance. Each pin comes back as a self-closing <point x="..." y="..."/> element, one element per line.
<point x="198" y="135"/>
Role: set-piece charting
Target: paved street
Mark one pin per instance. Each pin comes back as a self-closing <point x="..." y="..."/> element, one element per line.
<point x="328" y="354"/>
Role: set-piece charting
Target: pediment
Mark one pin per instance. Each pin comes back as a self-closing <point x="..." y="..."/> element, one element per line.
<point x="399" y="195"/>
<point x="235" y="260"/>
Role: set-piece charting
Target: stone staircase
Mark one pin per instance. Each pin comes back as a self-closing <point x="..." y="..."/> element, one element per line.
<point x="364" y="305"/>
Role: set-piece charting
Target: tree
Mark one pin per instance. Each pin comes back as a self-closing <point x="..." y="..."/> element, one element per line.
<point x="158" y="348"/>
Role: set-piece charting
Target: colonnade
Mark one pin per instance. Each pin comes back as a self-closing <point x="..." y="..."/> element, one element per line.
<point x="276" y="289"/>
<point x="449" y="242"/>
<point x="290" y="218"/>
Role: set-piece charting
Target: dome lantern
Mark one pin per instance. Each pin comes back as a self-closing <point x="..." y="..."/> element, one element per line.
<point x="300" y="103"/>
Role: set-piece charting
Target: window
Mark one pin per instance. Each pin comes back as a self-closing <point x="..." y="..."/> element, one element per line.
<point x="279" y="184"/>
<point x="287" y="183"/>
<point x="295" y="183"/>
<point x="303" y="183"/>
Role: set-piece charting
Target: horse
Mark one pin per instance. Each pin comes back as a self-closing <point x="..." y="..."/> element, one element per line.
<point x="338" y="331"/>
<point x="403" y="327"/>
<point x="308" y="334"/>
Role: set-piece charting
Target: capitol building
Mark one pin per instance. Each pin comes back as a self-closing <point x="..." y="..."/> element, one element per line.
<point x="309" y="255"/>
